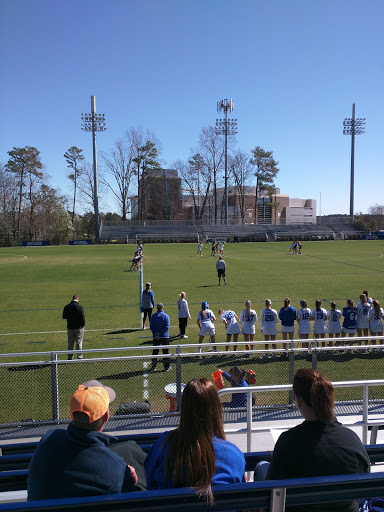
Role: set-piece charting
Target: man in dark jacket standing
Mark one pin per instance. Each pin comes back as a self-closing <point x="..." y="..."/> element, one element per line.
<point x="74" y="314"/>
<point x="160" y="326"/>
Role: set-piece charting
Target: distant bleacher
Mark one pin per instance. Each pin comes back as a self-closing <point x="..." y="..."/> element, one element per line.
<point x="178" y="232"/>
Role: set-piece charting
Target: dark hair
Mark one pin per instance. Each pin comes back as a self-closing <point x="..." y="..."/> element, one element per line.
<point x="287" y="302"/>
<point x="236" y="370"/>
<point x="75" y="297"/>
<point x="350" y="303"/>
<point x="317" y="392"/>
<point x="363" y="298"/>
<point x="303" y="303"/>
<point x="81" y="420"/>
<point x="318" y="305"/>
<point x="333" y="306"/>
<point x="191" y="457"/>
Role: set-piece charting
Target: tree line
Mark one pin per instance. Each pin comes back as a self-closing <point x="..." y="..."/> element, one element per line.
<point x="31" y="209"/>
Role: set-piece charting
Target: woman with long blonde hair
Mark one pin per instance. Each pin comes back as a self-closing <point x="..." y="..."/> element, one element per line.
<point x="196" y="454"/>
<point x="248" y="318"/>
<point x="268" y="322"/>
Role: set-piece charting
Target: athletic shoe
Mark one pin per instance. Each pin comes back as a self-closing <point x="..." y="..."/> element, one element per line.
<point x="184" y="337"/>
<point x="143" y="328"/>
<point x="168" y="369"/>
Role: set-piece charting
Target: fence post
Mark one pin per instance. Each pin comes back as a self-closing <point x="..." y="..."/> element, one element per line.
<point x="178" y="377"/>
<point x="365" y="413"/>
<point x="291" y="374"/>
<point x="314" y="355"/>
<point x="55" y="387"/>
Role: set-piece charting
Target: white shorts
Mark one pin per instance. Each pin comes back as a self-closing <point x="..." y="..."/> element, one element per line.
<point x="334" y="329"/>
<point x="246" y="329"/>
<point x="234" y="329"/>
<point x="270" y="330"/>
<point x="287" y="328"/>
<point x="348" y="331"/>
<point x="205" y="330"/>
<point x="320" y="330"/>
<point x="306" y="329"/>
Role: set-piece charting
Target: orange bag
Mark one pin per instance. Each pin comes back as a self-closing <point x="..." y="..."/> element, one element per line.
<point x="218" y="379"/>
<point x="250" y="377"/>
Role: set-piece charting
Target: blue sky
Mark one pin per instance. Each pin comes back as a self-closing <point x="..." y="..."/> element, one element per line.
<point x="293" y="69"/>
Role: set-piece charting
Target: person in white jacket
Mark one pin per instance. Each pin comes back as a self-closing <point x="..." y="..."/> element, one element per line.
<point x="183" y="312"/>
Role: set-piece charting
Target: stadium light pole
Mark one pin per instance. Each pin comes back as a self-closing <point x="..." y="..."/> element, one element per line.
<point x="226" y="127"/>
<point x="353" y="126"/>
<point x="94" y="123"/>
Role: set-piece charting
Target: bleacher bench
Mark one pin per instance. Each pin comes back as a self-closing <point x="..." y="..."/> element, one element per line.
<point x="273" y="495"/>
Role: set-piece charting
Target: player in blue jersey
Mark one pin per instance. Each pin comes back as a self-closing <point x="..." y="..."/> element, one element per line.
<point x="319" y="315"/>
<point x="349" y="323"/>
<point x="287" y="315"/>
<point x="248" y="318"/>
<point x="303" y="319"/>
<point x="268" y="322"/>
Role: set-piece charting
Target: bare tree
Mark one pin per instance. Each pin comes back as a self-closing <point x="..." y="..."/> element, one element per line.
<point x="211" y="148"/>
<point x="241" y="172"/>
<point x="119" y="164"/>
<point x="196" y="179"/>
<point x="377" y="215"/>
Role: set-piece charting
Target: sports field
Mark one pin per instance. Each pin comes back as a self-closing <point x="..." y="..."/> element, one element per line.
<point x="36" y="283"/>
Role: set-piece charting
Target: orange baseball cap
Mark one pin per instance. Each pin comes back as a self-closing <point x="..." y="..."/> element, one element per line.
<point x="91" y="398"/>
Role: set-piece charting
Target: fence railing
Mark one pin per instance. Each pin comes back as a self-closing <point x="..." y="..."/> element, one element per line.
<point x="36" y="386"/>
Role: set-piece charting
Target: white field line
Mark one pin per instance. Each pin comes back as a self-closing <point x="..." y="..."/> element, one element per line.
<point x="86" y="330"/>
<point x="23" y="258"/>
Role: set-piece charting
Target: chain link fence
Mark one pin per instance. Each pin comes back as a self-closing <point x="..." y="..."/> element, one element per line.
<point x="37" y="386"/>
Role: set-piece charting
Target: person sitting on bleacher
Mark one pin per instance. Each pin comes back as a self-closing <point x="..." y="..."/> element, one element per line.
<point x="196" y="454"/>
<point x="319" y="446"/>
<point x="77" y="461"/>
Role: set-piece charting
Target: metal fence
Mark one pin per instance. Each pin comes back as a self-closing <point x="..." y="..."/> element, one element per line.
<point x="37" y="386"/>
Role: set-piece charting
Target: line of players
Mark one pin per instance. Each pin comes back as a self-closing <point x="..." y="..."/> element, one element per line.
<point x="366" y="316"/>
<point x="295" y="247"/>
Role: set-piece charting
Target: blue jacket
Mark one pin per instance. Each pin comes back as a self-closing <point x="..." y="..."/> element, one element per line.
<point x="160" y="324"/>
<point x="287" y="316"/>
<point x="230" y="464"/>
<point x="73" y="463"/>
<point x="238" y="399"/>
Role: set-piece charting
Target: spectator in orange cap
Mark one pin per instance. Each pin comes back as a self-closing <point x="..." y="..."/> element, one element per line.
<point x="77" y="461"/>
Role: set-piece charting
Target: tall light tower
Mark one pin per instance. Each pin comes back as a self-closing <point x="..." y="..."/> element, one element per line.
<point x="353" y="126"/>
<point x="226" y="127"/>
<point x="94" y="123"/>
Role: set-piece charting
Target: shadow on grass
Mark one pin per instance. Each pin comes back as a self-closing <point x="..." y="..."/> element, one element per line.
<point x="122" y="331"/>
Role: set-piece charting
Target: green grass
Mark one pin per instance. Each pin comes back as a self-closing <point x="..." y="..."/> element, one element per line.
<point x="36" y="283"/>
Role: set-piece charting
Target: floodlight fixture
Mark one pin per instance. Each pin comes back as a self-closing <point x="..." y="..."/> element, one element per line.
<point x="353" y="126"/>
<point x="94" y="123"/>
<point x="226" y="127"/>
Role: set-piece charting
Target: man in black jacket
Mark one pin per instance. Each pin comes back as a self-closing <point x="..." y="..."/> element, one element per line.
<point x="74" y="314"/>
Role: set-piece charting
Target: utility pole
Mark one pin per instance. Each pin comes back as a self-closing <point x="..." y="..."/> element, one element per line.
<point x="353" y="126"/>
<point x="94" y="123"/>
<point x="226" y="127"/>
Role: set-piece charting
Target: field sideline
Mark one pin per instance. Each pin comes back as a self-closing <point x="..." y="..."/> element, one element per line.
<point x="37" y="282"/>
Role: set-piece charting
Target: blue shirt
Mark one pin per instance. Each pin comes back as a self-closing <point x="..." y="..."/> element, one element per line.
<point x="73" y="463"/>
<point x="287" y="316"/>
<point x="230" y="463"/>
<point x="160" y="324"/>
<point x="238" y="399"/>
<point x="349" y="318"/>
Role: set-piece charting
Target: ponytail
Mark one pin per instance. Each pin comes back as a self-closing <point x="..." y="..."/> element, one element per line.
<point x="248" y="305"/>
<point x="268" y="303"/>
<point x="287" y="302"/>
<point x="318" y="305"/>
<point x="317" y="392"/>
<point x="333" y="306"/>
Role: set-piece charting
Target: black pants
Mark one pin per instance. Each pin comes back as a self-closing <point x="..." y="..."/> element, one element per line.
<point x="183" y="322"/>
<point x="134" y="456"/>
<point x="163" y="344"/>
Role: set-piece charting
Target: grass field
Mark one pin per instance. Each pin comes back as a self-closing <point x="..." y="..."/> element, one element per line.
<point x="36" y="283"/>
